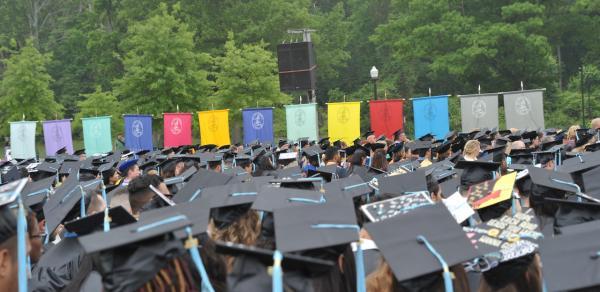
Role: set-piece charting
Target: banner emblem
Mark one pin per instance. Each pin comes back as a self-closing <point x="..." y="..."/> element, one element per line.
<point x="176" y="124"/>
<point x="523" y="105"/>
<point x="343" y="114"/>
<point x="96" y="130"/>
<point x="258" y="121"/>
<point x="479" y="109"/>
<point x="299" y="117"/>
<point x="137" y="129"/>
<point x="430" y="111"/>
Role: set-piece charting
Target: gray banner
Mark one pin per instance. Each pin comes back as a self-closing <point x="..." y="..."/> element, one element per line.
<point x="479" y="111"/>
<point x="524" y="109"/>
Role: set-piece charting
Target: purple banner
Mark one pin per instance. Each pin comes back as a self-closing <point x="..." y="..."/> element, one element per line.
<point x="57" y="134"/>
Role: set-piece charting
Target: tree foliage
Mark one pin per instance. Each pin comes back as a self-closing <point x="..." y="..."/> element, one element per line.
<point x="96" y="104"/>
<point x="24" y="89"/>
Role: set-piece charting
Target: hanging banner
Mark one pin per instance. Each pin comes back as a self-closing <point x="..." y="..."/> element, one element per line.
<point x="214" y="127"/>
<point x="431" y="116"/>
<point x="479" y="111"/>
<point x="301" y="121"/>
<point x="387" y="116"/>
<point x="57" y="135"/>
<point x="177" y="129"/>
<point x="22" y="139"/>
<point x="96" y="135"/>
<point x="524" y="109"/>
<point x="258" y="125"/>
<point x="138" y="132"/>
<point x="343" y="121"/>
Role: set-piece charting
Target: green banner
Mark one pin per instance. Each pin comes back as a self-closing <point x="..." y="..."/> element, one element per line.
<point x="96" y="135"/>
<point x="301" y="120"/>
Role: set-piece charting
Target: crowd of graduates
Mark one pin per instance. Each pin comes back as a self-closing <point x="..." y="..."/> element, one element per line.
<point x="375" y="215"/>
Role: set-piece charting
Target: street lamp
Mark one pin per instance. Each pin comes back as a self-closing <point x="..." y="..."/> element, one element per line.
<point x="374" y="76"/>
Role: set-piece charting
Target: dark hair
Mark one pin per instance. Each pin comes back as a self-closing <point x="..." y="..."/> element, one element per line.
<point x="109" y="174"/>
<point x="331" y="152"/>
<point x="139" y="191"/>
<point x="521" y="274"/>
<point x="357" y="158"/>
<point x="432" y="185"/>
<point x="379" y="160"/>
<point x="263" y="166"/>
<point x="8" y="224"/>
<point x="169" y="170"/>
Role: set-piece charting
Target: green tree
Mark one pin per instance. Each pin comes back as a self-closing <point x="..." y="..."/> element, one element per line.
<point x="247" y="77"/>
<point x="25" y="89"/>
<point x="97" y="104"/>
<point x="162" y="70"/>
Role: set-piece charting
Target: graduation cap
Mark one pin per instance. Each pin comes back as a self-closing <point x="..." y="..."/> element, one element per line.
<point x="328" y="225"/>
<point x="495" y="154"/>
<point x="419" y="248"/>
<point x="289" y="172"/>
<point x="290" y="262"/>
<point x="476" y="171"/>
<point x="570" y="261"/>
<point x="501" y="141"/>
<point x="404" y="183"/>
<point x="449" y="135"/>
<point x="328" y="173"/>
<point x="386" y="209"/>
<point x="509" y="236"/>
<point x="552" y="179"/>
<point x="444" y="147"/>
<point x="591" y="182"/>
<point x="36" y="192"/>
<point x="125" y="165"/>
<point x="543" y="157"/>
<point x="83" y="226"/>
<point x="427" y="137"/>
<point x="270" y="198"/>
<point x="547" y="145"/>
<point x="61" y="151"/>
<point x="572" y="212"/>
<point x="200" y="180"/>
<point x="79" y="152"/>
<point x="450" y="186"/>
<point x="593" y="147"/>
<point x="368" y="133"/>
<point x="324" y="141"/>
<point x="197" y="211"/>
<point x="351" y="186"/>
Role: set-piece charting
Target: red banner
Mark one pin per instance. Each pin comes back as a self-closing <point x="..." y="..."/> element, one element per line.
<point x="177" y="129"/>
<point x="387" y="116"/>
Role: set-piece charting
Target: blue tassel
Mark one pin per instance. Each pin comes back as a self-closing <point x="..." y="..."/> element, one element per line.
<point x="22" y="247"/>
<point x="446" y="270"/>
<point x="277" y="277"/>
<point x="192" y="245"/>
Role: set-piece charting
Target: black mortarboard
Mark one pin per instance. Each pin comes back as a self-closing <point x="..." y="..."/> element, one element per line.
<point x="547" y="145"/>
<point x="530" y="135"/>
<point x="324" y="141"/>
<point x="544" y="157"/>
<point x="131" y="233"/>
<point x="591" y="182"/>
<point x="476" y="171"/>
<point x="571" y="261"/>
<point x="496" y="154"/>
<point x="351" y="186"/>
<point x="61" y="151"/>
<point x="298" y="183"/>
<point x="426" y="137"/>
<point x="35" y="192"/>
<point x="580" y="163"/>
<point x="593" y="147"/>
<point x="230" y="195"/>
<point x="197" y="211"/>
<point x="271" y="198"/>
<point x="386" y="209"/>
<point x="79" y="152"/>
<point x="552" y="179"/>
<point x="450" y="186"/>
<point x="572" y="212"/>
<point x="400" y="184"/>
<point x="412" y="252"/>
<point x="330" y="224"/>
<point x="444" y="147"/>
<point x="82" y="226"/>
<point x="70" y="167"/>
<point x="501" y="141"/>
<point x="449" y="135"/>
<point x="290" y="172"/>
<point x="202" y="179"/>
<point x="439" y="171"/>
<point x="504" y="132"/>
<point x="368" y="133"/>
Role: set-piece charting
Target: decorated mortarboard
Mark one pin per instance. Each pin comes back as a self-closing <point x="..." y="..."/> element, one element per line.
<point x="491" y="192"/>
<point x="571" y="261"/>
<point x="330" y="224"/>
<point x="419" y="248"/>
<point x="386" y="209"/>
<point x="506" y="238"/>
<point x="200" y="180"/>
<point x="287" y="156"/>
<point x="271" y="198"/>
<point x="404" y="183"/>
<point x="83" y="226"/>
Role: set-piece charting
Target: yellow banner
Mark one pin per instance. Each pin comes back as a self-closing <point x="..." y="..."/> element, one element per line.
<point x="343" y="121"/>
<point x="214" y="127"/>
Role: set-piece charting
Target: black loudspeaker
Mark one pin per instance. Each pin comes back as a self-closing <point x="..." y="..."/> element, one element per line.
<point x="296" y="66"/>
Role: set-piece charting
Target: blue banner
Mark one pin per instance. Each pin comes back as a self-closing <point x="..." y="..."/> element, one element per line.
<point x="138" y="132"/>
<point x="258" y="125"/>
<point x="431" y="116"/>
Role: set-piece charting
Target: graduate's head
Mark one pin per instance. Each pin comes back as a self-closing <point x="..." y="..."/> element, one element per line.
<point x="140" y="193"/>
<point x="130" y="169"/>
<point x="8" y="250"/>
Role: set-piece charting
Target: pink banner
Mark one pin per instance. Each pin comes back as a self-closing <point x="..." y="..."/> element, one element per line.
<point x="177" y="129"/>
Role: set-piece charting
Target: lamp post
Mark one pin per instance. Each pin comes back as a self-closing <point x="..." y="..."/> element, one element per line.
<point x="374" y="76"/>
